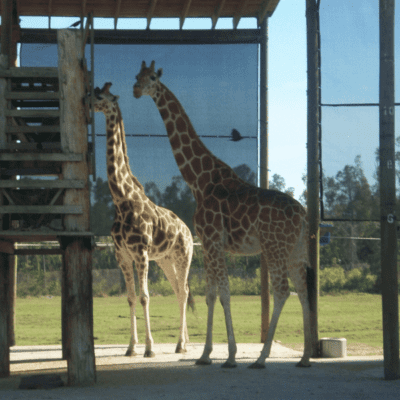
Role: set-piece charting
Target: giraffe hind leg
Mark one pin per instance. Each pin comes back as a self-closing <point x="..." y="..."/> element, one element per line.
<point x="126" y="266"/>
<point x="178" y="280"/>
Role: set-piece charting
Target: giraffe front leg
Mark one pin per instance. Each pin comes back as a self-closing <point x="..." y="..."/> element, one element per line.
<point x="132" y="305"/>
<point x="210" y="300"/>
<point x="226" y="304"/>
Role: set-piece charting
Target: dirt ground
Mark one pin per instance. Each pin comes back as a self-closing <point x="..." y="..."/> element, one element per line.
<point x="353" y="349"/>
<point x="171" y="376"/>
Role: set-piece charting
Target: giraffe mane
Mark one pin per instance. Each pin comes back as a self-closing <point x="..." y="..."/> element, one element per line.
<point x="124" y="147"/>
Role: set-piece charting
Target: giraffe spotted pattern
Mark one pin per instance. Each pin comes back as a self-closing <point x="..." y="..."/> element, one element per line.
<point x="142" y="231"/>
<point x="236" y="217"/>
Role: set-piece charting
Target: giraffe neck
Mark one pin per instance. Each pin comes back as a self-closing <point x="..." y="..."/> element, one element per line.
<point x="196" y="163"/>
<point x="121" y="181"/>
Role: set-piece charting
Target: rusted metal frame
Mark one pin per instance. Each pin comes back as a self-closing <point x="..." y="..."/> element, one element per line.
<point x="387" y="171"/>
<point x="313" y="174"/>
<point x="185" y="11"/>
<point x="217" y="13"/>
<point x="239" y="13"/>
<point x="150" y="13"/>
<point x="92" y="119"/>
<point x="264" y="179"/>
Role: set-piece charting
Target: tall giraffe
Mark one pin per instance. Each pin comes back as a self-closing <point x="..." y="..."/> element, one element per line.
<point x="234" y="216"/>
<point x="143" y="231"/>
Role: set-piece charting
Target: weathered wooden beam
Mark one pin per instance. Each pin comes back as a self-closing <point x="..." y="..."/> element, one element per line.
<point x="78" y="252"/>
<point x="6" y="247"/>
<point x="32" y="95"/>
<point x="66" y="209"/>
<point x="116" y="15"/>
<point x="4" y="316"/>
<point x="265" y="9"/>
<point x="42" y="183"/>
<point x="27" y="252"/>
<point x="150" y="13"/>
<point x="239" y="13"/>
<point x="217" y="13"/>
<point x="41" y="157"/>
<point x="3" y="105"/>
<point x="32" y="113"/>
<point x="185" y="11"/>
<point x="29" y="72"/>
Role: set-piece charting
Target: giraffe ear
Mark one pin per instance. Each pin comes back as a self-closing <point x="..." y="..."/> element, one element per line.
<point x="159" y="72"/>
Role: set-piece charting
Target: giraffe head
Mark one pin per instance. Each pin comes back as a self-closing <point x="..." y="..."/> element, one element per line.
<point x="104" y="101"/>
<point x="147" y="80"/>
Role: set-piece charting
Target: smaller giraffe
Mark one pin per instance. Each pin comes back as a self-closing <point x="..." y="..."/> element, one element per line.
<point x="142" y="231"/>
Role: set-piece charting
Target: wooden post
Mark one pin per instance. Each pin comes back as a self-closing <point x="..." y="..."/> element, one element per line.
<point x="77" y="249"/>
<point x="4" y="316"/>
<point x="313" y="102"/>
<point x="12" y="287"/>
<point x="390" y="295"/>
<point x="264" y="181"/>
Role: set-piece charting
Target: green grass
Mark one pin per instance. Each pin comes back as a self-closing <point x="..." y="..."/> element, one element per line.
<point x="357" y="317"/>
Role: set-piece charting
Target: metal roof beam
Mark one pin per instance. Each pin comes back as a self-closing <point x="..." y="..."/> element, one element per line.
<point x="111" y="36"/>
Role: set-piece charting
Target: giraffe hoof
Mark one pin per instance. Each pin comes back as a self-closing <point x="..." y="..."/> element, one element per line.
<point x="203" y="362"/>
<point x="130" y="353"/>
<point x="149" y="354"/>
<point x="229" y="364"/>
<point x="302" y="364"/>
<point x="180" y="349"/>
<point x="256" y="366"/>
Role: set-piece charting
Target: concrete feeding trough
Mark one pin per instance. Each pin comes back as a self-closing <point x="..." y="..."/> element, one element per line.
<point x="333" y="347"/>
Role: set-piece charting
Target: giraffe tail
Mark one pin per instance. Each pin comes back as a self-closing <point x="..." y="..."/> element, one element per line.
<point x="191" y="302"/>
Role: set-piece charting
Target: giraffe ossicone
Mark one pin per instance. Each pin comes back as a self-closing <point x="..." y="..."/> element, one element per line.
<point x="234" y="216"/>
<point x="143" y="231"/>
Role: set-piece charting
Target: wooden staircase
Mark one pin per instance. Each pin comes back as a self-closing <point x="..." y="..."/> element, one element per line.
<point x="32" y="186"/>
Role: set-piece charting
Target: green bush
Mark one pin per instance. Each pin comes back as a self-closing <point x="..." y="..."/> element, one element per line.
<point x="332" y="279"/>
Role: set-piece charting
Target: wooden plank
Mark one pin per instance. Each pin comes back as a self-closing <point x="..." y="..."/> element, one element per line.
<point x="33" y="129"/>
<point x="42" y="183"/>
<point x="61" y="157"/>
<point x="29" y="72"/>
<point x="6" y="247"/>
<point x="32" y="95"/>
<point x="41" y="209"/>
<point x="32" y="113"/>
<point x="27" y="252"/>
<point x="3" y="106"/>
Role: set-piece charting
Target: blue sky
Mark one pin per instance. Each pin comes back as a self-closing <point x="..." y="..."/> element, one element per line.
<point x="350" y="73"/>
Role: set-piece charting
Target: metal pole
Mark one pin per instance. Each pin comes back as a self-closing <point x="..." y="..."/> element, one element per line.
<point x="313" y="129"/>
<point x="264" y="167"/>
<point x="390" y="303"/>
